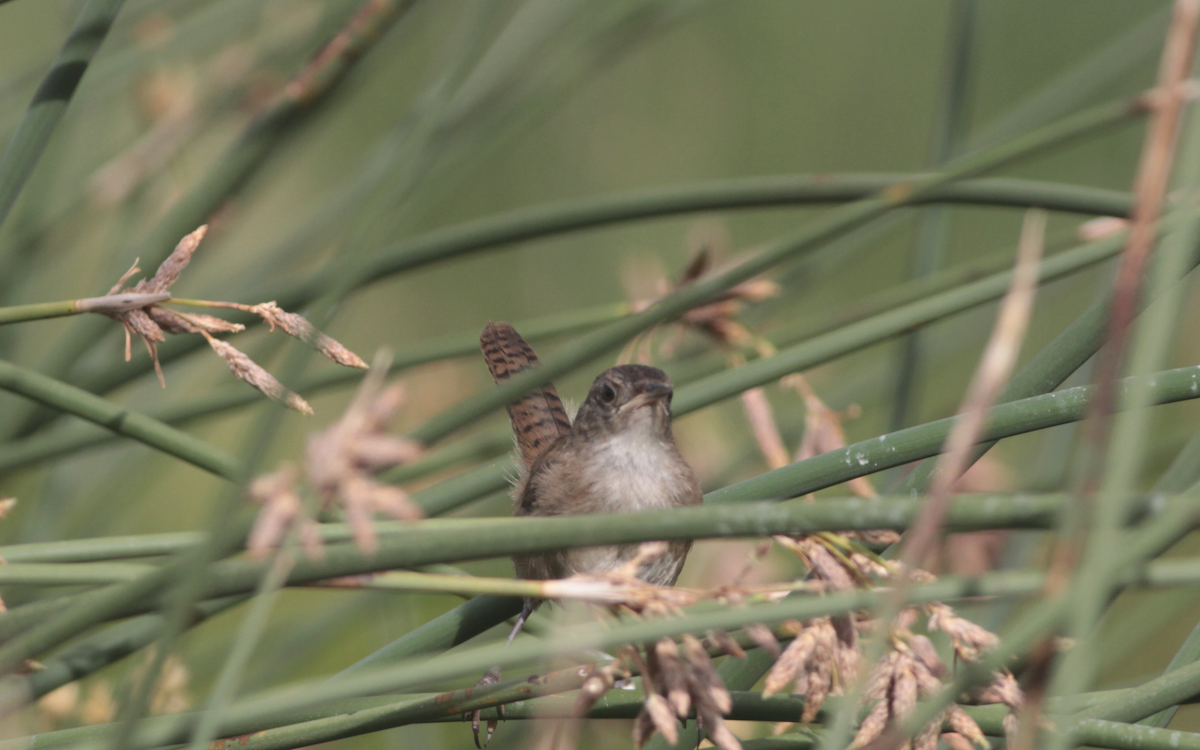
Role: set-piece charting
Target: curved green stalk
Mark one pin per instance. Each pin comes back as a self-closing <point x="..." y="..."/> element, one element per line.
<point x="441" y="541"/>
<point x="834" y="224"/>
<point x="151" y="432"/>
<point x="898" y="448"/>
<point x="254" y="713"/>
<point x="741" y="193"/>
<point x="928" y="249"/>
<point x="800" y="478"/>
<point x="832" y="513"/>
<point x="452" y="493"/>
<point x="921" y="312"/>
<point x="527" y="700"/>
<point x="108" y="646"/>
<point x="531" y="224"/>
<point x="442" y="633"/>
<point x="722" y="385"/>
<point x="99" y="548"/>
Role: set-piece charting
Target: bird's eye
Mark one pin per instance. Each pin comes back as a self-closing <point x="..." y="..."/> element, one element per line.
<point x="608" y="394"/>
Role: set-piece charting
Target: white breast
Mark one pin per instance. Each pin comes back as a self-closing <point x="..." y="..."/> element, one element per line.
<point x="633" y="471"/>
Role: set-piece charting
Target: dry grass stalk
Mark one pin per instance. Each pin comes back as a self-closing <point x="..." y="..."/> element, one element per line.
<point x="340" y="464"/>
<point x="764" y="429"/>
<point x="139" y="310"/>
<point x="1167" y="104"/>
<point x="6" y="506"/>
<point x="999" y="358"/>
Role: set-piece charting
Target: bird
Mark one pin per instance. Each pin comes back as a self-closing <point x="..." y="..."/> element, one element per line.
<point x="618" y="455"/>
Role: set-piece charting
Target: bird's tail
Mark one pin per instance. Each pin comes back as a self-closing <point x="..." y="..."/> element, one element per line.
<point x="538" y="418"/>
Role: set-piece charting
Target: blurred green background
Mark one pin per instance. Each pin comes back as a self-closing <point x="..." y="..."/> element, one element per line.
<point x="466" y="109"/>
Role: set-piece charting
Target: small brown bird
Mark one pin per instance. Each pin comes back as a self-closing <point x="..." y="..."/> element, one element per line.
<point x="618" y="456"/>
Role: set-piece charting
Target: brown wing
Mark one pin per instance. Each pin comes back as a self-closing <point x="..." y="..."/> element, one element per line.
<point x="538" y="419"/>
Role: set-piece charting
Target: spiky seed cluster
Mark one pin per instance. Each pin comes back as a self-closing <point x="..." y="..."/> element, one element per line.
<point x="909" y="672"/>
<point x="820" y="659"/>
<point x="340" y="464"/>
<point x="971" y="642"/>
<point x="282" y="507"/>
<point x="716" y="318"/>
<point x="151" y="323"/>
<point x="819" y="664"/>
<point x="675" y="680"/>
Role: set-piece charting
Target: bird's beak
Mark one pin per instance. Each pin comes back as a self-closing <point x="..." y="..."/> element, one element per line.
<point x="651" y="394"/>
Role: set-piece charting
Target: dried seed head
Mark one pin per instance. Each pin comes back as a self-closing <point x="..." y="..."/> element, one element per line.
<point x="791" y="662"/>
<point x="140" y="322"/>
<point x="674" y="676"/>
<point x="1002" y="689"/>
<point x="927" y="738"/>
<point x="824" y="565"/>
<point x="675" y="681"/>
<point x="115" y="288"/>
<point x="725" y="643"/>
<point x="282" y="508"/>
<point x="170" y="321"/>
<point x="873" y="725"/>
<point x="924" y="652"/>
<point x="643" y="729"/>
<point x="970" y="640"/>
<point x="299" y="327"/>
<point x="246" y="369"/>
<point x="341" y="459"/>
<point x="965" y="726"/>
<point x="664" y="720"/>
<point x="169" y="271"/>
<point x="720" y="736"/>
<point x="762" y="637"/>
<point x="956" y="741"/>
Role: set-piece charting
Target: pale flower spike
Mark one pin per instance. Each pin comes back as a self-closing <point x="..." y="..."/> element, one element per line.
<point x="139" y="310"/>
<point x="340" y="464"/>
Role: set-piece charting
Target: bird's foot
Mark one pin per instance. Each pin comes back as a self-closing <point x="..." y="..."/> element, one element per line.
<point x="491" y="677"/>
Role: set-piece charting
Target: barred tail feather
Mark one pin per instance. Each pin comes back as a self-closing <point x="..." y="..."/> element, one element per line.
<point x="538" y="418"/>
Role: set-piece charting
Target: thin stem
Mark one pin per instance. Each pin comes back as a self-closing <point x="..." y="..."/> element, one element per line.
<point x="151" y="432"/>
<point x="37" y="311"/>
<point x="933" y="222"/>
